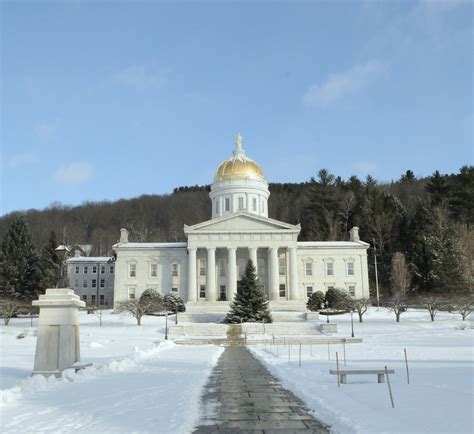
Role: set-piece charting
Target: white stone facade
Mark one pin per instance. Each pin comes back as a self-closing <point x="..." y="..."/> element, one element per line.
<point x="205" y="270"/>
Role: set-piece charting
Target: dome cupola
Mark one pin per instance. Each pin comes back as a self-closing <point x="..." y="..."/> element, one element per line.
<point x="239" y="185"/>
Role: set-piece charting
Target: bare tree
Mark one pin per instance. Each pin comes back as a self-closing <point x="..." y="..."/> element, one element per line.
<point x="361" y="305"/>
<point x="432" y="305"/>
<point x="401" y="276"/>
<point x="464" y="307"/>
<point x="150" y="301"/>
<point x="398" y="306"/>
<point x="8" y="308"/>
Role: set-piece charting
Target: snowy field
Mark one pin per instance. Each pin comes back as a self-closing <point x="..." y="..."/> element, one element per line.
<point x="139" y="382"/>
<point x="438" y="399"/>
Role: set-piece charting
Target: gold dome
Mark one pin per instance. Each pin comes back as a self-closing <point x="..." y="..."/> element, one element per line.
<point x="239" y="167"/>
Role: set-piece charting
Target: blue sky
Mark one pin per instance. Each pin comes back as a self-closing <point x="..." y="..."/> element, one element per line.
<point x="104" y="100"/>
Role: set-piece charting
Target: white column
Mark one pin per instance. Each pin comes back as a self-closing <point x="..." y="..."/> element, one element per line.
<point x="253" y="257"/>
<point x="232" y="279"/>
<point x="211" y="275"/>
<point x="192" y="291"/>
<point x="294" y="294"/>
<point x="274" y="274"/>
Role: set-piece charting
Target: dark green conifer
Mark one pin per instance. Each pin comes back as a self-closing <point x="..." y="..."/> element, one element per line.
<point x="250" y="303"/>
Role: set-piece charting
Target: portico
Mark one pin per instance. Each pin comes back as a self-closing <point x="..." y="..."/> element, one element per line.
<point x="217" y="257"/>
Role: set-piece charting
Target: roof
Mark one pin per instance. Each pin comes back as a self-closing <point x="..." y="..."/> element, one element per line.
<point x="180" y="245"/>
<point x="89" y="259"/>
<point x="332" y="244"/>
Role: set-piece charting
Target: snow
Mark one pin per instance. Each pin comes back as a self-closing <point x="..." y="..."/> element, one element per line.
<point x="138" y="382"/>
<point x="439" y="397"/>
<point x="141" y="383"/>
<point x="332" y="244"/>
<point x="178" y="245"/>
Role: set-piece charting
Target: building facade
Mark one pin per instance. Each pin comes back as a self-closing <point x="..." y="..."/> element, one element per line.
<point x="205" y="269"/>
<point x="92" y="279"/>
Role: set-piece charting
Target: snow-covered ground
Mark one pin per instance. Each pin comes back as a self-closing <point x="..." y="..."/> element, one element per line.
<point x="138" y="382"/>
<point x="141" y="383"/>
<point x="438" y="399"/>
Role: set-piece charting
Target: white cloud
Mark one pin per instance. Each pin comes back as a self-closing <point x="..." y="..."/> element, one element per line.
<point x="141" y="77"/>
<point x="21" y="159"/>
<point x="45" y="131"/>
<point x="73" y="174"/>
<point x="365" y="167"/>
<point x="342" y="84"/>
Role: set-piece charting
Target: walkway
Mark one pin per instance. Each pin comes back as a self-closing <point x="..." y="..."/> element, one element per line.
<point x="242" y="396"/>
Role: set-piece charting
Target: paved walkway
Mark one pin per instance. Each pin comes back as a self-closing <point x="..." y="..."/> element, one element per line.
<point x="242" y="396"/>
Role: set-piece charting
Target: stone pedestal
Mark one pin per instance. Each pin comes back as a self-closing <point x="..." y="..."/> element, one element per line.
<point x="57" y="347"/>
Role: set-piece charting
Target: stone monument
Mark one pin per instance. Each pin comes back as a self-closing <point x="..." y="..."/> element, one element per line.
<point x="58" y="346"/>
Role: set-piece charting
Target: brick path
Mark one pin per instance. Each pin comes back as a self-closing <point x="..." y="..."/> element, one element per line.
<point x="242" y="396"/>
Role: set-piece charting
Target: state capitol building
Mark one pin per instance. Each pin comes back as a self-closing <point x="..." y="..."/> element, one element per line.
<point x="205" y="269"/>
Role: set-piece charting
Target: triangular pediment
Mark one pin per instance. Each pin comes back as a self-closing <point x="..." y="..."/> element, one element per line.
<point x="242" y="222"/>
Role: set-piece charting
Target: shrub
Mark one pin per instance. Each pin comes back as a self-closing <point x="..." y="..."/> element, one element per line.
<point x="338" y="299"/>
<point x="316" y="301"/>
<point x="173" y="302"/>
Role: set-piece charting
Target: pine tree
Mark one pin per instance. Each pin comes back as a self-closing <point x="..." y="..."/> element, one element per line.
<point x="20" y="272"/>
<point x="50" y="263"/>
<point x="250" y="303"/>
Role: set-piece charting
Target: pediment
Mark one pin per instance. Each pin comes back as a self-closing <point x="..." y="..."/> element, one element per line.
<point x="242" y="222"/>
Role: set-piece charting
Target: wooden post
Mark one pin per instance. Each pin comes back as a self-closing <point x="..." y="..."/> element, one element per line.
<point x="311" y="350"/>
<point x="406" y="363"/>
<point x="337" y="370"/>
<point x="329" y="354"/>
<point x="344" y="346"/>
<point x="278" y="353"/>
<point x="299" y="362"/>
<point x="389" y="387"/>
<point x="289" y="352"/>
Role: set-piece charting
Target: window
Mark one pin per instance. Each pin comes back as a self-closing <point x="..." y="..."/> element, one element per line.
<point x="102" y="283"/>
<point x="261" y="270"/>
<point x="202" y="291"/>
<point x="309" y="291"/>
<point x="102" y="299"/>
<point x="174" y="270"/>
<point x="329" y="269"/>
<point x="102" y="269"/>
<point x="84" y="283"/>
<point x="132" y="270"/>
<point x="153" y="270"/>
<point x="174" y="289"/>
<point x="76" y="283"/>
<point x="227" y="204"/>
<point x="131" y="293"/>
<point x="241" y="263"/>
<point x="282" y="266"/>
<point x="308" y="268"/>
<point x="222" y="293"/>
<point x="254" y="204"/>
<point x="93" y="299"/>
<point x="217" y="206"/>
<point x="352" y="289"/>
<point x="111" y="269"/>
<point x="94" y="269"/>
<point x="222" y="267"/>
<point x="202" y="267"/>
<point x="350" y="268"/>
<point x="241" y="202"/>
<point x="77" y="269"/>
<point x="94" y="283"/>
<point x="282" y="290"/>
<point x="86" y="269"/>
<point x="263" y="206"/>
<point x="84" y="298"/>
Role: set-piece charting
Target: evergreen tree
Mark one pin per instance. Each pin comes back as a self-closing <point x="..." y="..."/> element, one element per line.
<point x="20" y="273"/>
<point x="50" y="263"/>
<point x="250" y="303"/>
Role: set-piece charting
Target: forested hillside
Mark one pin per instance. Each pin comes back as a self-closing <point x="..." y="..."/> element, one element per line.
<point x="429" y="220"/>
